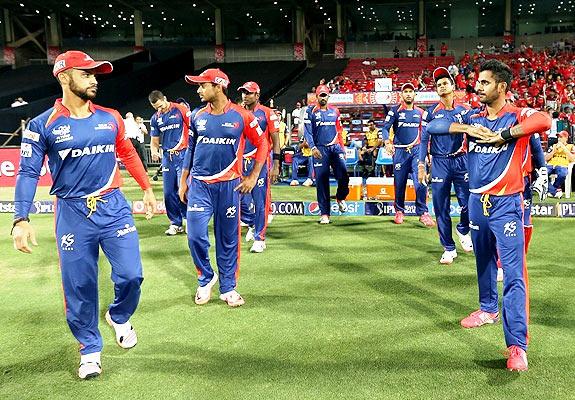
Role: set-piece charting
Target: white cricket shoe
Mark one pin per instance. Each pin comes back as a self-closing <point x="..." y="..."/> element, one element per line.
<point x="448" y="256"/>
<point x="258" y="247"/>
<point x="90" y="366"/>
<point x="125" y="333"/>
<point x="232" y="298"/>
<point x="465" y="241"/>
<point x="324" y="219"/>
<point x="204" y="293"/>
<point x="308" y="182"/>
<point x="294" y="182"/>
<point x="250" y="234"/>
<point x="342" y="206"/>
<point x="499" y="274"/>
<point x="174" y="230"/>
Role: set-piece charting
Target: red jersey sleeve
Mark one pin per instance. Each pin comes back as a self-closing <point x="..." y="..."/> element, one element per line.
<point x="129" y="156"/>
<point x="532" y="121"/>
<point x="254" y="133"/>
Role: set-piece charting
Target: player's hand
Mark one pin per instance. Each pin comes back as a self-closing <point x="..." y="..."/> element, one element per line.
<point x="479" y="132"/>
<point x="389" y="148"/>
<point x="155" y="156"/>
<point x="247" y="184"/>
<point x="421" y="174"/>
<point x="21" y="233"/>
<point x="183" y="192"/>
<point x="275" y="173"/>
<point x="316" y="153"/>
<point x="496" y="140"/>
<point x="541" y="184"/>
<point x="150" y="203"/>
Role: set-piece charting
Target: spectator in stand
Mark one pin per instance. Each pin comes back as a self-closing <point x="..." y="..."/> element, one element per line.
<point x="421" y="50"/>
<point x="296" y="114"/>
<point x="479" y="48"/>
<point x="371" y="144"/>
<point x="431" y="51"/>
<point x="522" y="48"/>
<point x="552" y="132"/>
<point x="443" y="49"/>
<point x="471" y="98"/>
<point x="460" y="82"/>
<point x="373" y="62"/>
<point x="558" y="158"/>
<point x="366" y="62"/>
<point x="505" y="48"/>
<point x="395" y="52"/>
<point x="492" y="49"/>
<point x="375" y="72"/>
<point x="453" y="70"/>
<point x="283" y="134"/>
<point x="410" y="52"/>
<point x="466" y="58"/>
<point x="302" y="156"/>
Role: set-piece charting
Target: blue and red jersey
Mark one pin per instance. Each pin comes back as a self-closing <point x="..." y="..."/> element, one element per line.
<point x="322" y="127"/>
<point x="499" y="170"/>
<point x="217" y="143"/>
<point x="268" y="122"/>
<point x="534" y="157"/>
<point x="443" y="144"/>
<point x="81" y="155"/>
<point x="407" y="126"/>
<point x="172" y="127"/>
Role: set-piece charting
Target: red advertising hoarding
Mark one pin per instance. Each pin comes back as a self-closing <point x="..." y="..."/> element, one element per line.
<point x="9" y="163"/>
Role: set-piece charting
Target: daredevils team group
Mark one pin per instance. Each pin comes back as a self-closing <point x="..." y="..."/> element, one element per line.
<point x="219" y="160"/>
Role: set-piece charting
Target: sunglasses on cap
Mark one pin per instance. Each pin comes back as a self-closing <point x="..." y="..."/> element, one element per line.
<point x="322" y="95"/>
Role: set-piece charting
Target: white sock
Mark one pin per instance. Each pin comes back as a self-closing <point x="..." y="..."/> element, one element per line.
<point x="92" y="357"/>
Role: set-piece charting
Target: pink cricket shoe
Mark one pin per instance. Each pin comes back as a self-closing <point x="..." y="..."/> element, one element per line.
<point x="516" y="359"/>
<point x="479" y="318"/>
<point x="398" y="219"/>
<point x="426" y="220"/>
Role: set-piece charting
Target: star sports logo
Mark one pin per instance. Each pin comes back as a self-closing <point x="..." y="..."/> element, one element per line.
<point x="231" y="212"/>
<point x="509" y="229"/>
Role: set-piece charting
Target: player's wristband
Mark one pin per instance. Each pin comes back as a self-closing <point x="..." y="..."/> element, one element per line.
<point x="277" y="157"/>
<point x="506" y="135"/>
<point x="16" y="221"/>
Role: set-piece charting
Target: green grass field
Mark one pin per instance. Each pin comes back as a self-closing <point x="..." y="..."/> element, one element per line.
<point x="360" y="309"/>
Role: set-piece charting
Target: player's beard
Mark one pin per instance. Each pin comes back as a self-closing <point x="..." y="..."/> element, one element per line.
<point x="322" y="101"/>
<point x="83" y="93"/>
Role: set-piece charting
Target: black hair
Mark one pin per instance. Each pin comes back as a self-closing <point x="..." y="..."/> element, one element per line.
<point x="155" y="95"/>
<point x="501" y="71"/>
<point x="371" y="121"/>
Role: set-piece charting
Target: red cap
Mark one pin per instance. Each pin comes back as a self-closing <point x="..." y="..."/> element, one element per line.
<point x="441" y="72"/>
<point x="563" y="134"/>
<point x="250" y="87"/>
<point x="407" y="85"/>
<point x="321" y="89"/>
<point x="80" y="60"/>
<point x="210" y="75"/>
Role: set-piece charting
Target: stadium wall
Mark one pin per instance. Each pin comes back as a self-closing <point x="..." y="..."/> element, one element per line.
<point x="204" y="55"/>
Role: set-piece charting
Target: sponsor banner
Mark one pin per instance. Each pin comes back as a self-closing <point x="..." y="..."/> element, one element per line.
<point x="385" y="208"/>
<point x="383" y="84"/>
<point x="288" y="208"/>
<point x="378" y="98"/>
<point x="354" y="208"/>
<point x="10" y="162"/>
<point x="38" y="207"/>
<point x="9" y="55"/>
<point x="566" y="210"/>
<point x="139" y="208"/>
<point x="219" y="53"/>
<point x="339" y="51"/>
<point x="52" y="53"/>
<point x="298" y="51"/>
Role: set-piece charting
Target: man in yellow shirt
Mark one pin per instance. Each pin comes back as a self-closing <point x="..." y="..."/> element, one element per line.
<point x="371" y="144"/>
<point x="283" y="134"/>
<point x="558" y="158"/>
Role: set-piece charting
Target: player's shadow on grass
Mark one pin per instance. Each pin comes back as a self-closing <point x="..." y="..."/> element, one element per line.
<point x="54" y="362"/>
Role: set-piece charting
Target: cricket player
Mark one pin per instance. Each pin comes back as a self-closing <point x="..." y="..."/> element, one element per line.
<point x="256" y="205"/>
<point x="448" y="166"/>
<point x="498" y="141"/>
<point x="170" y="126"/>
<point x="82" y="140"/>
<point x="407" y="121"/>
<point x="213" y="163"/>
<point x="322" y="131"/>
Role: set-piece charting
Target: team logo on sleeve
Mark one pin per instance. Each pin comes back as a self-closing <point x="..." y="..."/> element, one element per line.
<point x="25" y="149"/>
<point x="33" y="136"/>
<point x="67" y="241"/>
